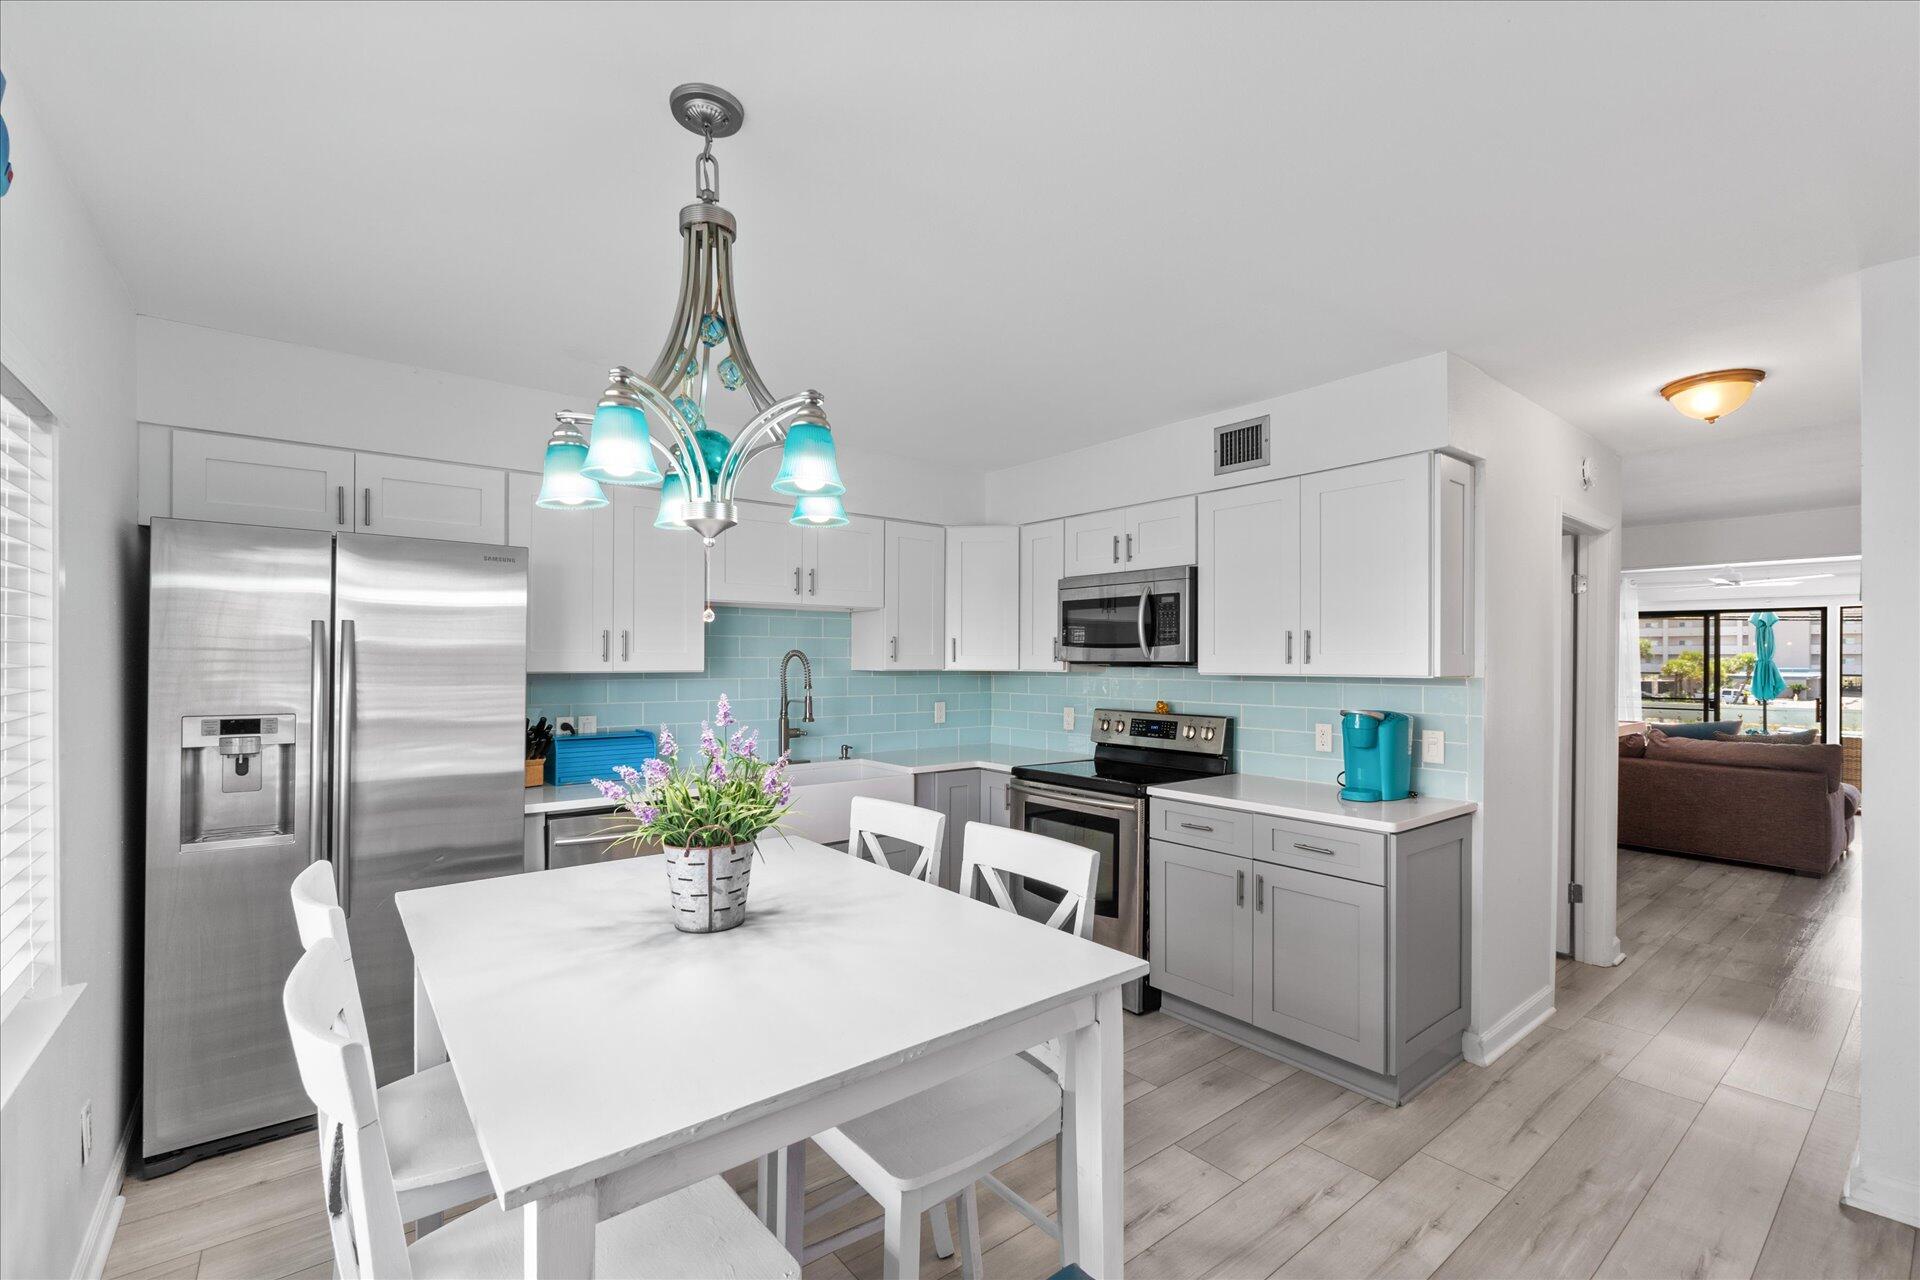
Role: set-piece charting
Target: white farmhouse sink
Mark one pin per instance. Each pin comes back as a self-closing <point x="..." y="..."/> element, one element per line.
<point x="823" y="791"/>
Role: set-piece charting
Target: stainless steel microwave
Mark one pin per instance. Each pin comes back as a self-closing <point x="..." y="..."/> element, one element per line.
<point x="1136" y="618"/>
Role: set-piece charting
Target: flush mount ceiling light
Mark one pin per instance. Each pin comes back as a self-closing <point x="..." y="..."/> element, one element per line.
<point x="1711" y="396"/>
<point x="653" y="430"/>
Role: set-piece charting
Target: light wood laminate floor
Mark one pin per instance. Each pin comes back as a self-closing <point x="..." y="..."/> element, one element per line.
<point x="1689" y="1112"/>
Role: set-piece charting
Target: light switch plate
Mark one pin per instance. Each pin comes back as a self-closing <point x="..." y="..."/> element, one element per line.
<point x="1323" y="737"/>
<point x="589" y="724"/>
<point x="1433" y="746"/>
<point x="939" y="713"/>
<point x="1066" y="719"/>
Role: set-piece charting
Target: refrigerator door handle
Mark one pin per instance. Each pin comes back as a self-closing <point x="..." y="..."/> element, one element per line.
<point x="342" y="771"/>
<point x="320" y="749"/>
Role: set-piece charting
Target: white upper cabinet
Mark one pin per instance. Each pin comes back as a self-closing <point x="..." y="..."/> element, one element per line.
<point x="909" y="633"/>
<point x="658" y="594"/>
<point x="1093" y="542"/>
<point x="1365" y="576"/>
<point x="760" y="560"/>
<point x="983" y="598"/>
<point x="1453" y="561"/>
<point x="1158" y="535"/>
<point x="1152" y="535"/>
<point x="414" y="498"/>
<point x="846" y="567"/>
<point x="1250" y="580"/>
<point x="1042" y="562"/>
<point x="569" y="580"/>
<point x="248" y="481"/>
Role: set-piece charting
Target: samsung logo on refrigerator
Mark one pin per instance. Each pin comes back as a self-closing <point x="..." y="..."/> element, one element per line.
<point x="501" y="559"/>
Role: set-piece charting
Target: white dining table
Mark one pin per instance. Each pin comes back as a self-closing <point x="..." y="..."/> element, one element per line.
<point x="607" y="1059"/>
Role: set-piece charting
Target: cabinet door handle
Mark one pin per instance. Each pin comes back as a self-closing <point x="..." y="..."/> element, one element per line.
<point x="953" y="645"/>
<point x="1239" y="888"/>
<point x="1196" y="826"/>
<point x="366" y="506"/>
<point x="1259" y="892"/>
<point x="1129" y="548"/>
<point x="625" y="644"/>
<point x="893" y="648"/>
<point x="812" y="575"/>
<point x="340" y="504"/>
<point x="605" y="637"/>
<point x="1116" y="548"/>
<point x="1289" y="648"/>
<point x="1314" y="848"/>
<point x="1309" y="649"/>
<point x="796" y="579"/>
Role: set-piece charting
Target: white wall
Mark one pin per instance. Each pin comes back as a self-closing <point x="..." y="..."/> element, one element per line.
<point x="216" y="381"/>
<point x="1885" y="1177"/>
<point x="1379" y="414"/>
<point x="66" y="333"/>
<point x="1530" y="467"/>
<point x="1788" y="535"/>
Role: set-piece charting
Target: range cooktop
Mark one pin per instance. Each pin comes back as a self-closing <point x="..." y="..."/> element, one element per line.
<point x="1134" y="750"/>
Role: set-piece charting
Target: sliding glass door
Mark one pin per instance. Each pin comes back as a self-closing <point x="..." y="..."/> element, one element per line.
<point x="1852" y="691"/>
<point x="1698" y="665"/>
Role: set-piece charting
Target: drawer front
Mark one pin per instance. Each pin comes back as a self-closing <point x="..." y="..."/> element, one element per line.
<point x="1329" y="851"/>
<point x="1219" y="829"/>
<point x="588" y="837"/>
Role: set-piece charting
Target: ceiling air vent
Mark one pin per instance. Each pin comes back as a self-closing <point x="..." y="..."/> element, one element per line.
<point x="1240" y="446"/>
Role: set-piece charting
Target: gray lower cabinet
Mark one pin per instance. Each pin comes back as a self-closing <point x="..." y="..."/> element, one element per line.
<point x="1201" y="927"/>
<point x="1340" y="951"/>
<point x="1320" y="971"/>
<point x="996" y="802"/>
<point x="961" y="795"/>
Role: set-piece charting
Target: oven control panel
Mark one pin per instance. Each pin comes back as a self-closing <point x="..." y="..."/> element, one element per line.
<point x="1203" y="735"/>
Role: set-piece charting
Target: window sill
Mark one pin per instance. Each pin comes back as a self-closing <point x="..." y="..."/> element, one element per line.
<point x="29" y="1028"/>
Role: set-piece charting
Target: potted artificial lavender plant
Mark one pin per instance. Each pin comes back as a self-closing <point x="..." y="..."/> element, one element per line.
<point x="706" y="818"/>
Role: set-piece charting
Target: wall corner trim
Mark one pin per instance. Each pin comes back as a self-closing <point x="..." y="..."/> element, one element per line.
<point x="1483" y="1048"/>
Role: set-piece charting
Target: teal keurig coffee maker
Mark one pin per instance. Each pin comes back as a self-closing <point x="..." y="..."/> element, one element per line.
<point x="1379" y="760"/>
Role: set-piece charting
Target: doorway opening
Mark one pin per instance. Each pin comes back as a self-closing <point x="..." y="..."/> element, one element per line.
<point x="1569" y="722"/>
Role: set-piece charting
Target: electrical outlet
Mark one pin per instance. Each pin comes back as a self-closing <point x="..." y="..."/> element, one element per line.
<point x="1066" y="719"/>
<point x="1323" y="737"/>
<point x="939" y="713"/>
<point x="86" y="1132"/>
<point x="589" y="724"/>
<point x="1433" y="746"/>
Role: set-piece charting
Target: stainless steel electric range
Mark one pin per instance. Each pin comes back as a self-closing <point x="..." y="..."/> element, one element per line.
<point x="1101" y="804"/>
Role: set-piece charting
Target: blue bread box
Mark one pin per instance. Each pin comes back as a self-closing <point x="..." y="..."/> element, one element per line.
<point x="582" y="757"/>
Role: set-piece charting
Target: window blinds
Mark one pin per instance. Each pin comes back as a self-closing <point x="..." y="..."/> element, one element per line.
<point x="29" y="914"/>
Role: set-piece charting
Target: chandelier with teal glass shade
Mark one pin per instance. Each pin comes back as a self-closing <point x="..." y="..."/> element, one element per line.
<point x="653" y="430"/>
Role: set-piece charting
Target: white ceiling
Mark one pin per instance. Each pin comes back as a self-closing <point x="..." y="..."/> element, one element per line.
<point x="994" y="231"/>
<point x="1774" y="582"/>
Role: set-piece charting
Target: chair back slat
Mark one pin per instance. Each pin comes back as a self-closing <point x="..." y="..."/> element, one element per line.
<point x="337" y="1072"/>
<point x="869" y="819"/>
<point x="317" y="915"/>
<point x="992" y="853"/>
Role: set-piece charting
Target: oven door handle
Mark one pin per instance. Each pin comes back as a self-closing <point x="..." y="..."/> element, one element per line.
<point x="1021" y="787"/>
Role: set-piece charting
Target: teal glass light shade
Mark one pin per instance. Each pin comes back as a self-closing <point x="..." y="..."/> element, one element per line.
<point x="818" y="511"/>
<point x="673" y="503"/>
<point x="562" y="487"/>
<point x="713" y="451"/>
<point x="621" y="451"/>
<point x="807" y="464"/>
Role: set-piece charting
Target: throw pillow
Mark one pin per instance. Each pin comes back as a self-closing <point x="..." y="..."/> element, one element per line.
<point x="1799" y="738"/>
<point x="1633" y="745"/>
<point x="1698" y="728"/>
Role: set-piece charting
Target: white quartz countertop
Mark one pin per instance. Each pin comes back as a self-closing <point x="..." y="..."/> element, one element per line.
<point x="583" y="797"/>
<point x="1312" y="802"/>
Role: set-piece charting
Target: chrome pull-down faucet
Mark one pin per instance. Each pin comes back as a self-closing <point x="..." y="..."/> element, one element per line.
<point x="787" y="732"/>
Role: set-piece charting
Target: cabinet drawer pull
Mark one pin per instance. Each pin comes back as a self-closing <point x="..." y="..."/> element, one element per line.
<point x="1239" y="888"/>
<point x="1314" y="848"/>
<point x="1196" y="826"/>
<point x="1259" y="892"/>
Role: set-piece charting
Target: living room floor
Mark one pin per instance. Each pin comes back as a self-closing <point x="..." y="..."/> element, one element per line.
<point x="1688" y="1112"/>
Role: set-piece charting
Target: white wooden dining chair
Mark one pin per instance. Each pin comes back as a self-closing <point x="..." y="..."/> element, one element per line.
<point x="437" y="1163"/>
<point x="919" y="1153"/>
<point x="702" y="1230"/>
<point x="871" y="820"/>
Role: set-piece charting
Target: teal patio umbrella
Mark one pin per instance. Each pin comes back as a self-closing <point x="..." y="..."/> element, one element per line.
<point x="1767" y="684"/>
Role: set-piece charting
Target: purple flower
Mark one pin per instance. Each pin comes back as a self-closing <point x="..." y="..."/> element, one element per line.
<point x="668" y="747"/>
<point x="628" y="774"/>
<point x="743" y="742"/>
<point x="657" y="771"/>
<point x="786" y="793"/>
<point x="722" y="712"/>
<point x="647" y="814"/>
<point x="718" y="772"/>
<point x="611" y="790"/>
<point x="770" y="783"/>
<point x="709" y="745"/>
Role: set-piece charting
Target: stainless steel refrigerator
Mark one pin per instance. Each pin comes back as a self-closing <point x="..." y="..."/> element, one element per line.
<point x="310" y="695"/>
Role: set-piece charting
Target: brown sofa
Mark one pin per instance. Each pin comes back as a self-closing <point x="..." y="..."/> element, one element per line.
<point x="1769" y="804"/>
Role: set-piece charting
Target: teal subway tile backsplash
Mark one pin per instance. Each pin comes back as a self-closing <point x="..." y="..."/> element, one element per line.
<point x="1274" y="717"/>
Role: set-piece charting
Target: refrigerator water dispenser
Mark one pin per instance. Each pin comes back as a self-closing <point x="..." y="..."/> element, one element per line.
<point x="236" y="779"/>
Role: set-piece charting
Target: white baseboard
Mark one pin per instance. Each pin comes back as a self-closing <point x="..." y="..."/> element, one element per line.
<point x="1483" y="1048"/>
<point x="1896" y="1198"/>
<point x="91" y="1263"/>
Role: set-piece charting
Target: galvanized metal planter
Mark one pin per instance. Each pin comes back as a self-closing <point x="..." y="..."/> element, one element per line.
<point x="709" y="886"/>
